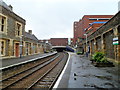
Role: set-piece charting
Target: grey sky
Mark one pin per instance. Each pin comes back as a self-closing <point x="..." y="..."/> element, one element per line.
<point x="54" y="18"/>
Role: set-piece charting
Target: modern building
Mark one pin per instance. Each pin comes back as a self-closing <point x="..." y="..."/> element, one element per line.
<point x="76" y="31"/>
<point x="59" y="41"/>
<point x="93" y="27"/>
<point x="83" y="25"/>
<point x="14" y="41"/>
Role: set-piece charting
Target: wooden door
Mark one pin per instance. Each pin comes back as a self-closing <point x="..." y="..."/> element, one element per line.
<point x="17" y="49"/>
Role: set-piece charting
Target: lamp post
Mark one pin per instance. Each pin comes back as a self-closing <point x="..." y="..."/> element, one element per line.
<point x="86" y="45"/>
<point x="21" y="46"/>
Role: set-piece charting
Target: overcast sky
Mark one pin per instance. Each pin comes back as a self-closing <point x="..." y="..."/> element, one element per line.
<point x="54" y="18"/>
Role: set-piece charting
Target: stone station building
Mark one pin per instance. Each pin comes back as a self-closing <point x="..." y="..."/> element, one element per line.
<point x="103" y="39"/>
<point x="14" y="41"/>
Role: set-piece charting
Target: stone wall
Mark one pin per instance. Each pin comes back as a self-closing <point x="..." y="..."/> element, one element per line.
<point x="102" y="39"/>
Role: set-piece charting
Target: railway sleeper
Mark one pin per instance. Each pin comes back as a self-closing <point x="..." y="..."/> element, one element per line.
<point x="47" y="80"/>
<point x="44" y="83"/>
<point x="42" y="86"/>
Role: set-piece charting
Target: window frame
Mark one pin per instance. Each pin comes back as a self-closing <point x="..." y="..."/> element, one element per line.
<point x="5" y="24"/>
<point x="18" y="29"/>
<point x="3" y="47"/>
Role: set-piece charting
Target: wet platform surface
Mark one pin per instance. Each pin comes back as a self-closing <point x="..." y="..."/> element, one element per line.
<point x="80" y="73"/>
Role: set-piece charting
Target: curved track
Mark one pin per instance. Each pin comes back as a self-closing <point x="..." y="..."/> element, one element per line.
<point x="45" y="72"/>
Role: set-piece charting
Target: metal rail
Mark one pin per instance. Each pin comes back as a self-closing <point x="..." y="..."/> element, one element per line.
<point x="51" y="78"/>
<point x="33" y="66"/>
<point x="14" y="65"/>
<point x="34" y="69"/>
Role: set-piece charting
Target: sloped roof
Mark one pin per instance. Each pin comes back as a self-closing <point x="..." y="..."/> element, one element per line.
<point x="31" y="36"/>
<point x="2" y="3"/>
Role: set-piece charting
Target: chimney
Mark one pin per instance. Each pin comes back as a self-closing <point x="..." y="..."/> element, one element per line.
<point x="30" y="31"/>
<point x="10" y="6"/>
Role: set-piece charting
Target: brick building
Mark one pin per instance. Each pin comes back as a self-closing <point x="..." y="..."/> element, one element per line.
<point x="59" y="41"/>
<point x="14" y="41"/>
<point x="82" y="25"/>
<point x="93" y="27"/>
<point x="75" y="32"/>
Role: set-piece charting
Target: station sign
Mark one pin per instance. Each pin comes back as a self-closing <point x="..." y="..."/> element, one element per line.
<point x="115" y="41"/>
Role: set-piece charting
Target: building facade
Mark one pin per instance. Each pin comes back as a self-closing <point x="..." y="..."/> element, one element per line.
<point x="93" y="27"/>
<point x="46" y="45"/>
<point x="12" y="28"/>
<point x="14" y="41"/>
<point x="31" y="44"/>
<point x="83" y="25"/>
<point x="59" y="41"/>
<point x="102" y="40"/>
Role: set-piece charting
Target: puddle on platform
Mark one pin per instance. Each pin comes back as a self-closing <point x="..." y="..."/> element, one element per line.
<point x="104" y="77"/>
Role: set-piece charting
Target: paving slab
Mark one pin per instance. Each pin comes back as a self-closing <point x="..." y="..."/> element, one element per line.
<point x="81" y="74"/>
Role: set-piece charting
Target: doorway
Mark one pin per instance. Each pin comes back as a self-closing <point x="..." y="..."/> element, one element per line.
<point x="17" y="49"/>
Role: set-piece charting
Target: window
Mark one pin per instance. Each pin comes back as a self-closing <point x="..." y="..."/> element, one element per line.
<point x="104" y="18"/>
<point x="99" y="18"/>
<point x="92" y="18"/>
<point x="18" y="29"/>
<point x="2" y="23"/>
<point x="2" y="48"/>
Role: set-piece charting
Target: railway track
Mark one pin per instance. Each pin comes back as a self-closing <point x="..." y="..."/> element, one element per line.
<point x="50" y="77"/>
<point x="10" y="72"/>
<point x="43" y="71"/>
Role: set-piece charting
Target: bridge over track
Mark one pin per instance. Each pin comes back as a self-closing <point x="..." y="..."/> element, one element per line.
<point x="63" y="48"/>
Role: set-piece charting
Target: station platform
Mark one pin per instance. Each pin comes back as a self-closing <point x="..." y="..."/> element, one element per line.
<point x="15" y="61"/>
<point x="80" y="73"/>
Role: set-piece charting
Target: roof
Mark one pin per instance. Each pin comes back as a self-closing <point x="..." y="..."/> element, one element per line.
<point x="2" y="3"/>
<point x="58" y="38"/>
<point x="97" y="16"/>
<point x="94" y="23"/>
<point x="31" y="36"/>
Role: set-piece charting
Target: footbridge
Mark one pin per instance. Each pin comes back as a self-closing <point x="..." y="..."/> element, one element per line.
<point x="63" y="48"/>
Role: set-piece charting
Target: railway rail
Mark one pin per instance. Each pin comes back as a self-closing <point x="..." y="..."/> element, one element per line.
<point x="38" y="74"/>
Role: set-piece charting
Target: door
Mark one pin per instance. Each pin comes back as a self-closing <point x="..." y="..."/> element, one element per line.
<point x="17" y="49"/>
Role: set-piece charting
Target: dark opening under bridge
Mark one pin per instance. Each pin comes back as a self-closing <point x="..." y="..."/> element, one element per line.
<point x="63" y="48"/>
